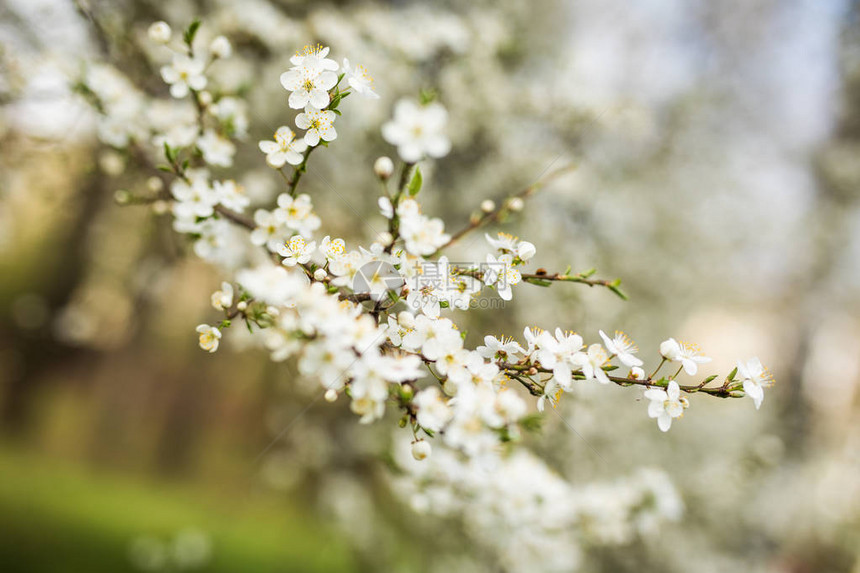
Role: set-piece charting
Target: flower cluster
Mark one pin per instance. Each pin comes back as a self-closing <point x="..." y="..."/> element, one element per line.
<point x="311" y="302"/>
<point x="293" y="215"/>
<point x="519" y="507"/>
<point x="373" y="323"/>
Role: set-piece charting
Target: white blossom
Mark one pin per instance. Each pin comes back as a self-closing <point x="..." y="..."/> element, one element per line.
<point x="223" y="299"/>
<point x="685" y="353"/>
<point x="216" y="149"/>
<point x="359" y="79"/>
<point x="755" y="378"/>
<point x="666" y="405"/>
<point x="622" y="347"/>
<point x="209" y="338"/>
<point x="418" y="130"/>
<point x="592" y="362"/>
<point x="296" y="251"/>
<point x="331" y="249"/>
<point x="433" y="411"/>
<point x="231" y="195"/>
<point x="309" y="81"/>
<point x="184" y="74"/>
<point x="284" y="149"/>
<point x="319" y="125"/>
<point x="509" y="244"/>
<point x="502" y="274"/>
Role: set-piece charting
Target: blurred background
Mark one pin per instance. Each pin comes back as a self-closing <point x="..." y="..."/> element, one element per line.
<point x="718" y="154"/>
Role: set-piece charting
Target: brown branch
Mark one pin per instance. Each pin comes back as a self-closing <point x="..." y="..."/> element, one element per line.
<point x="724" y="391"/>
<point x="235" y="217"/>
<point x="496" y="215"/>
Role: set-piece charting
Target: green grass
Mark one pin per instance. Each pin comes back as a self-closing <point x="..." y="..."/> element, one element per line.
<point x="57" y="518"/>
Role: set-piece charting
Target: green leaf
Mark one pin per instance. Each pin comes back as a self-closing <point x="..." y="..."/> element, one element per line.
<point x="427" y="96"/>
<point x="415" y="183"/>
<point x="191" y="32"/>
<point x="169" y="153"/>
<point x="619" y="292"/>
<point x="538" y="282"/>
<point x="531" y="422"/>
<point x="709" y="379"/>
<point x="732" y="374"/>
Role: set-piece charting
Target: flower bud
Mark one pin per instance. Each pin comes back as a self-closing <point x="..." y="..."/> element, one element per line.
<point x="516" y="204"/>
<point x="320" y="275"/>
<point x="526" y="250"/>
<point x="241" y="306"/>
<point x="205" y="98"/>
<point x="383" y="167"/>
<point x="112" y="163"/>
<point x="154" y="184"/>
<point x="330" y="395"/>
<point x="159" y="32"/>
<point x="421" y="450"/>
<point x="160" y="207"/>
<point x="488" y="206"/>
<point x="385" y="238"/>
<point x="406" y="319"/>
<point x="220" y="47"/>
<point x="670" y="349"/>
<point x="637" y="373"/>
<point x="122" y="197"/>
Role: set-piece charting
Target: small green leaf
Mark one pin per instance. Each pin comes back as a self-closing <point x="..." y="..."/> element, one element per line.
<point x="415" y="183"/>
<point x="191" y="32"/>
<point x="619" y="292"/>
<point x="709" y="379"/>
<point x="732" y="374"/>
<point x="427" y="96"/>
<point x="531" y="422"/>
